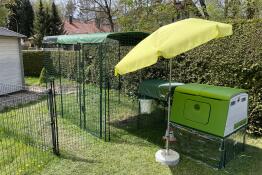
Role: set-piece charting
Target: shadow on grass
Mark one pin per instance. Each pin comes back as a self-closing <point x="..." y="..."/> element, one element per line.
<point x="248" y="162"/>
<point x="74" y="158"/>
<point x="152" y="127"/>
<point x="148" y="127"/>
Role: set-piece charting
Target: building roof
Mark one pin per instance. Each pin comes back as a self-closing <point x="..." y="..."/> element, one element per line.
<point x="6" y="32"/>
<point x="79" y="27"/>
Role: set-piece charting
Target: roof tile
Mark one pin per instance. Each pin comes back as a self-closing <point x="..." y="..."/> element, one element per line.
<point x="78" y="27"/>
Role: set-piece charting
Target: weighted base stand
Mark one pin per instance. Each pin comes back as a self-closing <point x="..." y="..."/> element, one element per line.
<point x="170" y="158"/>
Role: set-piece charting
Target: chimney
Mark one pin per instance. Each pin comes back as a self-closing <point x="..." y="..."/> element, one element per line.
<point x="70" y="19"/>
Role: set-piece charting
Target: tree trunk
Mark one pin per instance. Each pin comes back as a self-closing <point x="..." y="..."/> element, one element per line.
<point x="109" y="16"/>
<point x="250" y="10"/>
<point x="204" y="8"/>
<point x="112" y="25"/>
<point x="226" y="9"/>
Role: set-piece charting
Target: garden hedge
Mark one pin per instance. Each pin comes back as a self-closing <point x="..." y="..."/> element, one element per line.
<point x="33" y="62"/>
<point x="234" y="61"/>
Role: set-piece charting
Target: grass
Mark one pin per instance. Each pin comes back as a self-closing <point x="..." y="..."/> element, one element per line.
<point x="23" y="137"/>
<point x="131" y="150"/>
<point x="31" y="81"/>
<point x="34" y="81"/>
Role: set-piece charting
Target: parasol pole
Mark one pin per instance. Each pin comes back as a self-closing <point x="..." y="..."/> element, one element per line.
<point x="167" y="156"/>
<point x="169" y="105"/>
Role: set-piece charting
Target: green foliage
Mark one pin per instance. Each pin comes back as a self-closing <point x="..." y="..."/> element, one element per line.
<point x="21" y="17"/>
<point x="3" y="15"/>
<point x="40" y="24"/>
<point x="56" y="24"/>
<point x="27" y="18"/>
<point x="31" y="81"/>
<point x="33" y="62"/>
<point x="42" y="77"/>
<point x="47" y="23"/>
<point x="146" y="18"/>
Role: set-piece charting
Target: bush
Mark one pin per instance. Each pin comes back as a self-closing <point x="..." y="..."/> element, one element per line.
<point x="33" y="62"/>
<point x="43" y="78"/>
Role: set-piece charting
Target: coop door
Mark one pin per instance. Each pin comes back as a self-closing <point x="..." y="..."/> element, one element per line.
<point x="197" y="111"/>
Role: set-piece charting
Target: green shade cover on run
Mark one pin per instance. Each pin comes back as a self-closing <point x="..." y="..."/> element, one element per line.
<point x="124" y="38"/>
<point x="157" y="89"/>
<point x="215" y="92"/>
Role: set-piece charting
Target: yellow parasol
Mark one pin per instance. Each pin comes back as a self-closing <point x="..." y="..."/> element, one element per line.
<point x="170" y="41"/>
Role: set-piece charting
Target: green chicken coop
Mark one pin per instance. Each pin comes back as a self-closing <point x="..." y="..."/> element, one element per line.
<point x="211" y="109"/>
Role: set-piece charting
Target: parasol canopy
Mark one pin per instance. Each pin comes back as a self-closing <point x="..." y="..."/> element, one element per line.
<point x="170" y="41"/>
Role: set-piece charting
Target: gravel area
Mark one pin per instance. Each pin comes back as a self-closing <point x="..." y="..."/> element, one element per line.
<point x="29" y="94"/>
<point x="18" y="98"/>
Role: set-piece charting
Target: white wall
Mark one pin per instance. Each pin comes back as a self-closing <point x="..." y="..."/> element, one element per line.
<point x="11" y="71"/>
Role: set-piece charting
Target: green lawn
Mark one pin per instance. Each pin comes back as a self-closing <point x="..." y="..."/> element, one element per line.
<point x="31" y="81"/>
<point x="131" y="150"/>
<point x="23" y="137"/>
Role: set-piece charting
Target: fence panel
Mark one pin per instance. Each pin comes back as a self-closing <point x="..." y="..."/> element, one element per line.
<point x="25" y="133"/>
<point x="64" y="77"/>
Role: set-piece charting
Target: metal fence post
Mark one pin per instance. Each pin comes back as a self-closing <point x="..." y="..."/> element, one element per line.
<point x="83" y="86"/>
<point x="101" y="88"/>
<point x="119" y="77"/>
<point x="60" y="81"/>
<point x="54" y="128"/>
<point x="80" y="80"/>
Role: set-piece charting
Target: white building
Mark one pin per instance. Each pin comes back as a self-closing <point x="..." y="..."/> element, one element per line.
<point x="11" y="62"/>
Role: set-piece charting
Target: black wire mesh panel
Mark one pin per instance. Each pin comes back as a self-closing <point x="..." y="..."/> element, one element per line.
<point x="122" y="104"/>
<point x="25" y="133"/>
<point x="93" y="88"/>
<point x="65" y="77"/>
<point x="209" y="149"/>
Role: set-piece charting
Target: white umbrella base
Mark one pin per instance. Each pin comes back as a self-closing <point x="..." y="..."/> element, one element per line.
<point x="171" y="158"/>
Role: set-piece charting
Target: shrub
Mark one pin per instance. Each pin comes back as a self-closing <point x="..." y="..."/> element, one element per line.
<point x="42" y="77"/>
<point x="33" y="62"/>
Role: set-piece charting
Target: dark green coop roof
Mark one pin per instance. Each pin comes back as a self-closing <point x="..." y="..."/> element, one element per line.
<point x="124" y="38"/>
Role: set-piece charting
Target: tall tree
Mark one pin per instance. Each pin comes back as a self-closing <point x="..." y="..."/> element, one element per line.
<point x="47" y="21"/>
<point x="26" y="21"/>
<point x="14" y="16"/>
<point x="5" y="11"/>
<point x="70" y="8"/>
<point x="56" y="24"/>
<point x="204" y="8"/>
<point x="21" y="17"/>
<point x="102" y="10"/>
<point x="40" y="24"/>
